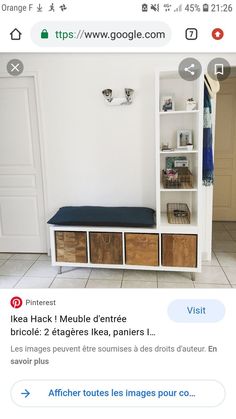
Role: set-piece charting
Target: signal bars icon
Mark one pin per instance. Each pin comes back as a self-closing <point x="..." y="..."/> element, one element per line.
<point x="179" y="8"/>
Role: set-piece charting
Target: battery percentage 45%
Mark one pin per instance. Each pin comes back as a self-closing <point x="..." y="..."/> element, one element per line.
<point x="192" y="7"/>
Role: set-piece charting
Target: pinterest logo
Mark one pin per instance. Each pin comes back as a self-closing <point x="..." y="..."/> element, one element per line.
<point x="16" y="302"/>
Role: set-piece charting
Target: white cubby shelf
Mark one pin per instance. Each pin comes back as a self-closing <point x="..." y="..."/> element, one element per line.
<point x="168" y="113"/>
<point x="178" y="152"/>
<point x="170" y="84"/>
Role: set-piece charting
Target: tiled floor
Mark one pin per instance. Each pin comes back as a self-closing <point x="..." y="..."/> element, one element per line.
<point x="35" y="271"/>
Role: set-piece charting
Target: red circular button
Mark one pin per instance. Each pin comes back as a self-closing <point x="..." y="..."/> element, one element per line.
<point x="217" y="34"/>
<point x="16" y="302"/>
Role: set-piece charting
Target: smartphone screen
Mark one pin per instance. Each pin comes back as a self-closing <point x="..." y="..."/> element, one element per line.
<point x="117" y="209"/>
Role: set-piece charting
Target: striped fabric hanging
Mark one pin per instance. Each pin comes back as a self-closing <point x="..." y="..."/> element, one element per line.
<point x="207" y="164"/>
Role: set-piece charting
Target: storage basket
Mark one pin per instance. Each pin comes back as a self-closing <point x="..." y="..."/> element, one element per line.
<point x="71" y="246"/>
<point x="184" y="180"/>
<point x="178" y="214"/>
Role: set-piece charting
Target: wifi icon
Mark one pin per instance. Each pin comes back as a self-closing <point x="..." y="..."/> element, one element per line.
<point x="179" y="8"/>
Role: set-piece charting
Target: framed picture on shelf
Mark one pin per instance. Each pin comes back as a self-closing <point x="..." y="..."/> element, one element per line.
<point x="184" y="139"/>
<point x="167" y="104"/>
<point x="191" y="104"/>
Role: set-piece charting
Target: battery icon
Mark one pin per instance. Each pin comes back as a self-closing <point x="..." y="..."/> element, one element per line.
<point x="205" y="7"/>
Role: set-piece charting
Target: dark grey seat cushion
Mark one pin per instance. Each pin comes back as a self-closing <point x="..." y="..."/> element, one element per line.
<point x="104" y="216"/>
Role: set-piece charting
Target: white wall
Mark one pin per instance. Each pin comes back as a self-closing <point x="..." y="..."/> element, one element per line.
<point x="95" y="154"/>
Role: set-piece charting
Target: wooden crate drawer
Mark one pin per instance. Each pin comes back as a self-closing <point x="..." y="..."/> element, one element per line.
<point x="141" y="249"/>
<point x="179" y="250"/>
<point x="106" y="248"/>
<point x="71" y="246"/>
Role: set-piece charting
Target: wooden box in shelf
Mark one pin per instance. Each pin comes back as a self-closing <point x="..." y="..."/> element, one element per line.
<point x="184" y="179"/>
<point x="179" y="250"/>
<point x="71" y="246"/>
<point x="106" y="248"/>
<point x="141" y="249"/>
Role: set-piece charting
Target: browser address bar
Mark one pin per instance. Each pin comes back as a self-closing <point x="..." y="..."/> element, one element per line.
<point x="101" y="34"/>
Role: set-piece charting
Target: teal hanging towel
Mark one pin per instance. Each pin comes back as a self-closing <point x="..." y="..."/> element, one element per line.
<point x="207" y="163"/>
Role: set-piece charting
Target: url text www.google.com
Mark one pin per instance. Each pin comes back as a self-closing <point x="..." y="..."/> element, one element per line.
<point x="113" y="36"/>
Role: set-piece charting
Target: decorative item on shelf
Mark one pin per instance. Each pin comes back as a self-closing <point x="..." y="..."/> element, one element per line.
<point x="181" y="178"/>
<point x="170" y="179"/>
<point x="116" y="101"/>
<point x="191" y="104"/>
<point x="171" y="162"/>
<point x="167" y="104"/>
<point x="184" y="139"/>
<point x="178" y="214"/>
<point x="171" y="174"/>
<point x="181" y="163"/>
<point x="166" y="147"/>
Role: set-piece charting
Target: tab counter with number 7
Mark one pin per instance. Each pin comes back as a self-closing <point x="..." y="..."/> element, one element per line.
<point x="191" y="34"/>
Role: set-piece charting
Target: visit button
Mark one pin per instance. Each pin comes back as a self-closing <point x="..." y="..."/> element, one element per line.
<point x="196" y="311"/>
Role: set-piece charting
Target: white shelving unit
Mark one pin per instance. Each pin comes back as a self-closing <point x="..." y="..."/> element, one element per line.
<point x="172" y="247"/>
<point x="169" y="83"/>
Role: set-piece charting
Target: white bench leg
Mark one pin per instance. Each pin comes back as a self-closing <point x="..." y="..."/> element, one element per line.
<point x="193" y="276"/>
